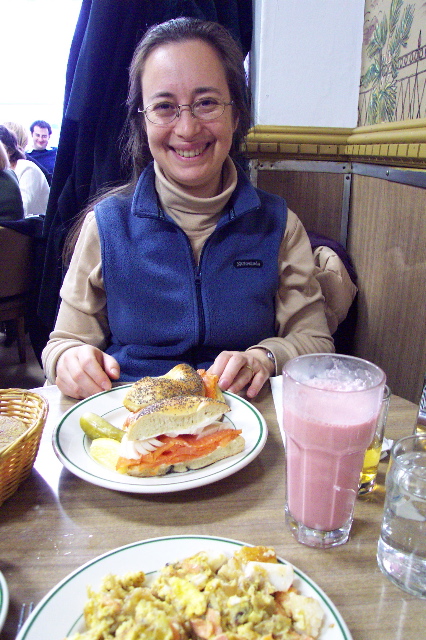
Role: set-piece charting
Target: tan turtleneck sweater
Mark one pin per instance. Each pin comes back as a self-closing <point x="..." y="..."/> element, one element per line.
<point x="301" y="325"/>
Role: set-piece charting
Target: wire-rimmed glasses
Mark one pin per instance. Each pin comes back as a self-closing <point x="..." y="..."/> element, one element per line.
<point x="164" y="112"/>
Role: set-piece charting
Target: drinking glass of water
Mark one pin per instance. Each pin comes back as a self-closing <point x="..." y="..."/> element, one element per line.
<point x="401" y="552"/>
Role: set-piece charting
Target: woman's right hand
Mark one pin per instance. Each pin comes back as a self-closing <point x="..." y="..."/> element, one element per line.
<point x="84" y="371"/>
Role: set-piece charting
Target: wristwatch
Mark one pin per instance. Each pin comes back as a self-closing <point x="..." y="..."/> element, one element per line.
<point x="270" y="356"/>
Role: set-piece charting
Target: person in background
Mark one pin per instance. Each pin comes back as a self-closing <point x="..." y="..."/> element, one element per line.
<point x="188" y="262"/>
<point x="22" y="139"/>
<point x="20" y="133"/>
<point x="41" y="132"/>
<point x="32" y="183"/>
<point x="11" y="207"/>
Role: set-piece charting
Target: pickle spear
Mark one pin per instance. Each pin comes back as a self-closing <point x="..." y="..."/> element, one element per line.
<point x="95" y="426"/>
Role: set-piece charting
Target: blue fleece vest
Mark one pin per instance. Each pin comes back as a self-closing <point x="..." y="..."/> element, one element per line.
<point x="164" y="309"/>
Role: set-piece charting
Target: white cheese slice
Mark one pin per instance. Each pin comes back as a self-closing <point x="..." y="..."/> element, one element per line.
<point x="281" y="576"/>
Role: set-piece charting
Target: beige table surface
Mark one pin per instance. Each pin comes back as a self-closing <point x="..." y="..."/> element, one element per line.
<point x="55" y="522"/>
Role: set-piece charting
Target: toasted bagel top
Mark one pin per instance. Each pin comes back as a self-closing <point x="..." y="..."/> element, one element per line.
<point x="182" y="380"/>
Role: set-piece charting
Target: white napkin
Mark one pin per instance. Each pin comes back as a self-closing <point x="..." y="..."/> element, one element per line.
<point x="277" y="394"/>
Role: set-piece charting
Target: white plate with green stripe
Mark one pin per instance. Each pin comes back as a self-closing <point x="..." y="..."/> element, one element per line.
<point x="70" y="595"/>
<point x="71" y="446"/>
<point x="4" y="600"/>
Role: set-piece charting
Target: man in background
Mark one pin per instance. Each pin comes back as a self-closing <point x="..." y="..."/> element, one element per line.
<point x="41" y="132"/>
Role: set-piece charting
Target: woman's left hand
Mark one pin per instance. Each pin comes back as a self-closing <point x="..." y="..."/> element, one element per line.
<point x="237" y="369"/>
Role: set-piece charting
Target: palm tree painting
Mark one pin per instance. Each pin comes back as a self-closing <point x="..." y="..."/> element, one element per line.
<point x="384" y="50"/>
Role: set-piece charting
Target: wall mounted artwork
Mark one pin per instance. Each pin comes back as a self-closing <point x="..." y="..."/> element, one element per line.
<point x="393" y="74"/>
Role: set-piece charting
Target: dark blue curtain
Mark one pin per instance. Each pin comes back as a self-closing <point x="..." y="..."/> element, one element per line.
<point x="88" y="157"/>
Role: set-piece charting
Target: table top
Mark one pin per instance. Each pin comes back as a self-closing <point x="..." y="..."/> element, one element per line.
<point x="55" y="522"/>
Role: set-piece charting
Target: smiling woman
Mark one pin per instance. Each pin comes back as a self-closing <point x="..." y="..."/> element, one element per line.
<point x="187" y="262"/>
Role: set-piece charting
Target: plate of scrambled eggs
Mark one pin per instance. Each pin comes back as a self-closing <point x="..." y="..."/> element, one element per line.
<point x="186" y="587"/>
<point x="72" y="446"/>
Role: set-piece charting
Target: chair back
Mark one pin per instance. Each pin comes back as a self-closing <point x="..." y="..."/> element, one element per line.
<point x="15" y="263"/>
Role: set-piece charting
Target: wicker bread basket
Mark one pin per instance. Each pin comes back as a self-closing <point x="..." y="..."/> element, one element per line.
<point x="17" y="459"/>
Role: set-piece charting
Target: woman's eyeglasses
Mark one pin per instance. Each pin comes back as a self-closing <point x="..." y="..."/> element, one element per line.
<point x="164" y="113"/>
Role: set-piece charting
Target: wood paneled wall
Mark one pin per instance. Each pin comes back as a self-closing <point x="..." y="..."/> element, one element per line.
<point x="314" y="196"/>
<point x="387" y="242"/>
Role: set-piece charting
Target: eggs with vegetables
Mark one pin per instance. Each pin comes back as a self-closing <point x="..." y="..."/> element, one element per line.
<point x="207" y="596"/>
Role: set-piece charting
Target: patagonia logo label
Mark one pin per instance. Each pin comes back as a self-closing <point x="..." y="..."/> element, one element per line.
<point x="250" y="264"/>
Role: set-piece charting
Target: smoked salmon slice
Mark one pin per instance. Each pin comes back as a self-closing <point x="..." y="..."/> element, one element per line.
<point x="180" y="449"/>
<point x="210" y="381"/>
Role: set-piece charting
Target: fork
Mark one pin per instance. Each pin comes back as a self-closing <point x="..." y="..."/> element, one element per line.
<point x="26" y="610"/>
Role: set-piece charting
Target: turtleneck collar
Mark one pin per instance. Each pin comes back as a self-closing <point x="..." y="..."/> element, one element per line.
<point x="177" y="202"/>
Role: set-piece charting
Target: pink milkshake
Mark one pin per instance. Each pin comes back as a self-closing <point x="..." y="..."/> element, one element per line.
<point x="331" y="405"/>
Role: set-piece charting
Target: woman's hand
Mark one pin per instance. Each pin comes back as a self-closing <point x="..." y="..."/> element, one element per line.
<point x="236" y="369"/>
<point x="84" y="371"/>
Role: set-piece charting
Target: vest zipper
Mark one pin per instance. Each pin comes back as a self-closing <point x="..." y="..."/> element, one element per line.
<point x="201" y="314"/>
<point x="200" y="307"/>
<point x="198" y="278"/>
<point x="198" y="282"/>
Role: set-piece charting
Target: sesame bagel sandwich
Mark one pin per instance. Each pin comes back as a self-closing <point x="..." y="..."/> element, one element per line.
<point x="182" y="380"/>
<point x="177" y="434"/>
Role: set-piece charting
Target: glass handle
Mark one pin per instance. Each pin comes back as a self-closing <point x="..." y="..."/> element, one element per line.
<point x="420" y="426"/>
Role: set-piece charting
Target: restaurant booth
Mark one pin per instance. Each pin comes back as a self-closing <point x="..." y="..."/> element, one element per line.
<point x="362" y="185"/>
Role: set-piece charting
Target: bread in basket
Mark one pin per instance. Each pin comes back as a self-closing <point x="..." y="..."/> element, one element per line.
<point x="17" y="458"/>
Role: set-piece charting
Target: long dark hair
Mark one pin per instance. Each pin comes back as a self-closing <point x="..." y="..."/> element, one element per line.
<point x="134" y="142"/>
<point x="10" y="141"/>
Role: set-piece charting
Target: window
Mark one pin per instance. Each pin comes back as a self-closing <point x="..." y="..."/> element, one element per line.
<point x="35" y="42"/>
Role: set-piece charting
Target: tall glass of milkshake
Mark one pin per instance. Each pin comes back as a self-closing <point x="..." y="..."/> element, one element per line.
<point x="330" y="407"/>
